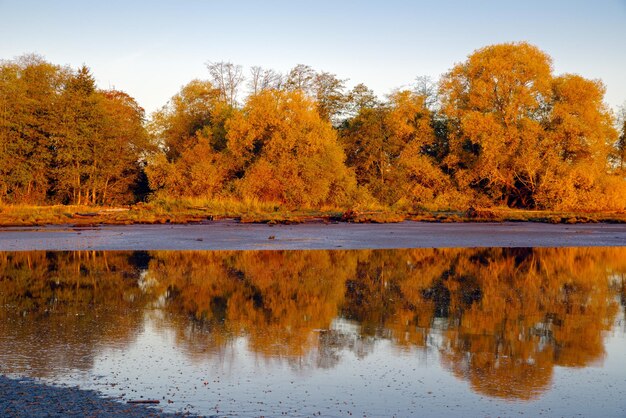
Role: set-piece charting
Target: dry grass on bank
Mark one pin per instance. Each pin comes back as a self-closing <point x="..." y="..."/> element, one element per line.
<point x="198" y="210"/>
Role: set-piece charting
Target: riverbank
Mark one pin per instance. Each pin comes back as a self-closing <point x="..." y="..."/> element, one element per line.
<point x="232" y="235"/>
<point x="183" y="212"/>
<point x="29" y="398"/>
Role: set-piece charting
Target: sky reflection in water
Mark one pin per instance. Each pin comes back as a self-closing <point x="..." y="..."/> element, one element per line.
<point x="383" y="332"/>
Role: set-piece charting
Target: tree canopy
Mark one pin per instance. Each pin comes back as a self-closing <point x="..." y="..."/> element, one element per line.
<point x="499" y="128"/>
<point x="521" y="136"/>
<point x="63" y="140"/>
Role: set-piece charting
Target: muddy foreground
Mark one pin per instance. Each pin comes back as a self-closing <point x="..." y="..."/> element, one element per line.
<point x="230" y="235"/>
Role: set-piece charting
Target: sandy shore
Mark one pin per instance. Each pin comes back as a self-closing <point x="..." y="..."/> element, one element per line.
<point x="230" y="235"/>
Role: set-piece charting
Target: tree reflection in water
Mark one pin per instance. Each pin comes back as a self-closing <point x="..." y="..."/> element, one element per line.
<point x="58" y="309"/>
<point x="501" y="319"/>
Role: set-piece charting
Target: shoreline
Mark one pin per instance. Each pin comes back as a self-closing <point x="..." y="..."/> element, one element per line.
<point x="182" y="213"/>
<point x="231" y="235"/>
<point x="27" y="397"/>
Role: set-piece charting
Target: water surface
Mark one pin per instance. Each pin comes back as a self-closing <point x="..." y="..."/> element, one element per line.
<point x="440" y="332"/>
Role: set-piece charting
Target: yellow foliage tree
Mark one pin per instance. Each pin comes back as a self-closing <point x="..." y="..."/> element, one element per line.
<point x="197" y="108"/>
<point x="389" y="148"/>
<point x="285" y="153"/>
<point x="190" y="132"/>
<point x="577" y="149"/>
<point x="421" y="180"/>
<point x="495" y="102"/>
<point x="522" y="137"/>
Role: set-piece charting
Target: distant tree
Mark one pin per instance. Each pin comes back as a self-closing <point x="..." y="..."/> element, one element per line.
<point x="360" y="97"/>
<point x="325" y="88"/>
<point x="330" y="97"/>
<point x="301" y="77"/>
<point x="227" y="78"/>
<point x="264" y="79"/>
<point x="426" y="87"/>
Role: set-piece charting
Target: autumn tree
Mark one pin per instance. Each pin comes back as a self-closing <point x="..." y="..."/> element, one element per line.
<point x="301" y="77"/>
<point x="389" y="148"/>
<point x="98" y="144"/>
<point x="580" y="122"/>
<point x="190" y="132"/>
<point x="200" y="171"/>
<point x="64" y="140"/>
<point x="29" y="88"/>
<point x="119" y="159"/>
<point x="579" y="138"/>
<point x="495" y="103"/>
<point x="285" y="153"/>
<point x="423" y="183"/>
<point x="80" y="130"/>
<point x="325" y="88"/>
<point x="330" y="96"/>
<point x="520" y="136"/>
<point x="426" y="87"/>
<point x="369" y="151"/>
<point x="197" y="109"/>
<point x="360" y="97"/>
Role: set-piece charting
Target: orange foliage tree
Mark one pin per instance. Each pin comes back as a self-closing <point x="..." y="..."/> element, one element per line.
<point x="389" y="146"/>
<point x="494" y="103"/>
<point x="190" y="134"/>
<point x="275" y="149"/>
<point x="521" y="137"/>
<point x="286" y="153"/>
<point x="28" y="91"/>
<point x="576" y="174"/>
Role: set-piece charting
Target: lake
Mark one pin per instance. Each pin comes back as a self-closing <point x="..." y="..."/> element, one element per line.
<point x="433" y="332"/>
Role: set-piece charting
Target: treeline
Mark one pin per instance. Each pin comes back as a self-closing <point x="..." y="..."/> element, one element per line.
<point x="497" y="129"/>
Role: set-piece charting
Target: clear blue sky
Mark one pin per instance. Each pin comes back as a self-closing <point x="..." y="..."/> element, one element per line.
<point x="151" y="48"/>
